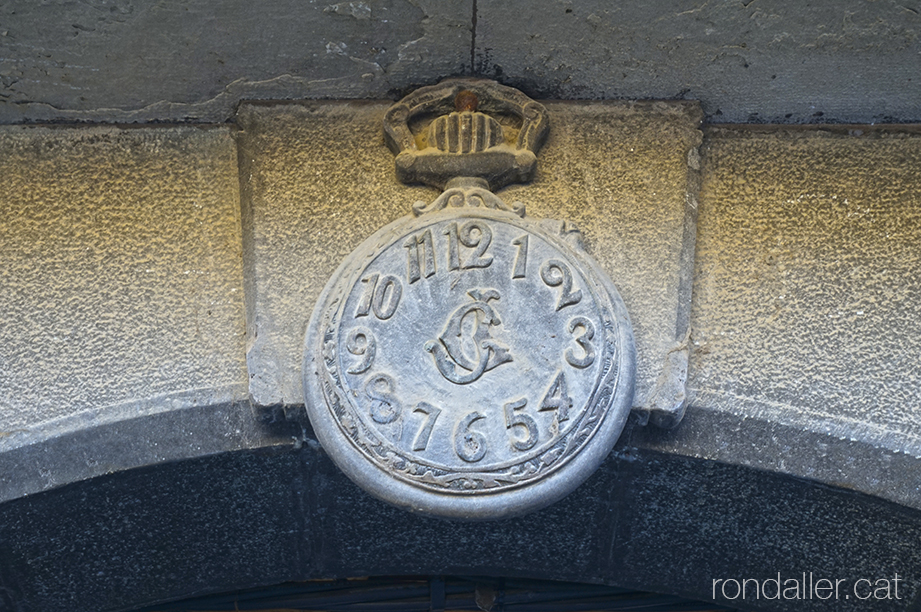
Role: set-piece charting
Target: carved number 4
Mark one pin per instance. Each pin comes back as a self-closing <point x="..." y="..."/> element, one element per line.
<point x="557" y="398"/>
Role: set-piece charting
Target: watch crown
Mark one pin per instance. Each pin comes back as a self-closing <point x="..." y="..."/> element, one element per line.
<point x="467" y="142"/>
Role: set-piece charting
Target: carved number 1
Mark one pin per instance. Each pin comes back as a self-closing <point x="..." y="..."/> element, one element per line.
<point x="521" y="261"/>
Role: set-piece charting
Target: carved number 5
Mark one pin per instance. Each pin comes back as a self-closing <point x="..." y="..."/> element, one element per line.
<point x="523" y="420"/>
<point x="583" y="341"/>
<point x="468" y="444"/>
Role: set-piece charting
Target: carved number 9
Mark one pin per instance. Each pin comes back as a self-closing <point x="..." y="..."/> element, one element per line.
<point x="361" y="343"/>
<point x="468" y="444"/>
<point x="555" y="273"/>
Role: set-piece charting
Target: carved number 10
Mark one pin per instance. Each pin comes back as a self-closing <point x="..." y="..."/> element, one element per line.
<point x="381" y="297"/>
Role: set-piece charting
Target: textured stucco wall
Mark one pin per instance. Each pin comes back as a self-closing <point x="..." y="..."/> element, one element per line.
<point x="805" y="321"/>
<point x="122" y="296"/>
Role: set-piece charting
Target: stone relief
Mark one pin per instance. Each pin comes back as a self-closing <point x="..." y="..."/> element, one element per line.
<point x="467" y="361"/>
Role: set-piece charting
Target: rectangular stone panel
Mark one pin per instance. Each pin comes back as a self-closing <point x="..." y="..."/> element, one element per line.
<point x="318" y="180"/>
<point x="808" y="284"/>
<point x="121" y="276"/>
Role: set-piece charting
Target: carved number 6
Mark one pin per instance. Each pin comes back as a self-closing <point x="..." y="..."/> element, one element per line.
<point x="468" y="444"/>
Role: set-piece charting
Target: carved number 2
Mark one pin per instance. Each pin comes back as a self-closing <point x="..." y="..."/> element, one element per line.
<point x="555" y="273"/>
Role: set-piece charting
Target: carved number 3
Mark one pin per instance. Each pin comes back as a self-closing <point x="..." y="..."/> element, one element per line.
<point x="583" y="341"/>
<point x="555" y="273"/>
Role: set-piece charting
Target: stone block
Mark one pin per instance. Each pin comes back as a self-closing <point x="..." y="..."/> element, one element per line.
<point x="122" y="284"/>
<point x="807" y="283"/>
<point x="759" y="62"/>
<point x="805" y="321"/>
<point x="127" y="61"/>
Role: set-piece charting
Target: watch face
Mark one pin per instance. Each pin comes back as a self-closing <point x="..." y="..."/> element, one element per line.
<point x="469" y="364"/>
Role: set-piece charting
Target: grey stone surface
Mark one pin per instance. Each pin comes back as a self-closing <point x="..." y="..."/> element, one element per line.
<point x="803" y="358"/>
<point x="805" y="316"/>
<point x="644" y="520"/>
<point x="763" y="61"/>
<point x="122" y="281"/>
<point x="140" y="60"/>
<point x="627" y="175"/>
<point x="317" y="180"/>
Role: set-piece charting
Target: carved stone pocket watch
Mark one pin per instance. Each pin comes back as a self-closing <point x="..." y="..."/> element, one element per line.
<point x="467" y="361"/>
